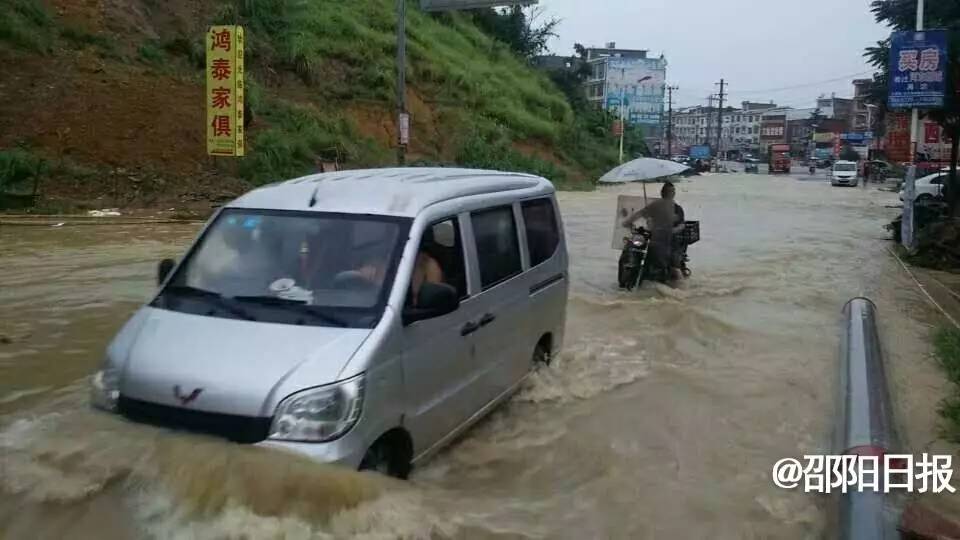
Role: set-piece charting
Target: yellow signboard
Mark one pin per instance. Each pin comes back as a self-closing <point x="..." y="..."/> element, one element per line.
<point x="225" y="90"/>
<point x="823" y="137"/>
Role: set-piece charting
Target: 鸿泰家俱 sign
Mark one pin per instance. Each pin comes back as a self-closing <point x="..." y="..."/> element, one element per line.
<point x="225" y="91"/>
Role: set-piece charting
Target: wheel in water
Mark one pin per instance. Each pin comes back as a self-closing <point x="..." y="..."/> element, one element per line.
<point x="385" y="459"/>
<point x="541" y="357"/>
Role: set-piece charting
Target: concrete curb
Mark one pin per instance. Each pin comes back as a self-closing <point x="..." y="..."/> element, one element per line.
<point x="919" y="522"/>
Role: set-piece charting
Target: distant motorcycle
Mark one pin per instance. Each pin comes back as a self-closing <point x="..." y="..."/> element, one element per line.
<point x="634" y="265"/>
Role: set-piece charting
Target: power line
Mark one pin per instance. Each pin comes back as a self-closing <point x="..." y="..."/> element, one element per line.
<point x="807" y="85"/>
<point x="697" y="92"/>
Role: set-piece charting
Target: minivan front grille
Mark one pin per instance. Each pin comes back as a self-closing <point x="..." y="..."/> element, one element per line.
<point x="241" y="429"/>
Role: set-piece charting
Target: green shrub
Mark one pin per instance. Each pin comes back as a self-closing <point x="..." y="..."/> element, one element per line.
<point x="19" y="169"/>
<point x="190" y="49"/>
<point x="298" y="137"/>
<point x="946" y="344"/>
<point x="26" y="24"/>
<point x="81" y="37"/>
<point x="150" y="51"/>
<point x="490" y="148"/>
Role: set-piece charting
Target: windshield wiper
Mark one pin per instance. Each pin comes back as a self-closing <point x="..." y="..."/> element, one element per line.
<point x="217" y="298"/>
<point x="309" y="310"/>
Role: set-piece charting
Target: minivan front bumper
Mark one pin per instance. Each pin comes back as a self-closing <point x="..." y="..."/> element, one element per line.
<point x="844" y="180"/>
<point x="345" y="451"/>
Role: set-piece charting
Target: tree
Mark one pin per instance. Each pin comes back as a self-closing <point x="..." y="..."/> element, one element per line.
<point x="517" y="28"/>
<point x="597" y="121"/>
<point x="901" y="15"/>
<point x="634" y="144"/>
<point x="849" y="154"/>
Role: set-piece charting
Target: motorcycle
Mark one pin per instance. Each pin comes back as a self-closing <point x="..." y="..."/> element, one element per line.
<point x="634" y="266"/>
<point x="633" y="258"/>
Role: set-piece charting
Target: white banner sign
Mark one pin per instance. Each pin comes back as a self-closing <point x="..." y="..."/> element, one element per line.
<point x="450" y="5"/>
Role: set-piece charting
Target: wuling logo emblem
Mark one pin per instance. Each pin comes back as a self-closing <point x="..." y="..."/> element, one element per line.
<point x="186" y="399"/>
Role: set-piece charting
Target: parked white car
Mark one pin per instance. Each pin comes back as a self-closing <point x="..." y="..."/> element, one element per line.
<point x="930" y="186"/>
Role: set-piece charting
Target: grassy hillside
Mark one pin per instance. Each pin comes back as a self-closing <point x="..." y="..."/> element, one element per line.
<point x="105" y="99"/>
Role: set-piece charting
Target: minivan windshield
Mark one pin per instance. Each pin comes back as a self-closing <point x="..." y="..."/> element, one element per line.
<point x="304" y="268"/>
<point x="845" y="167"/>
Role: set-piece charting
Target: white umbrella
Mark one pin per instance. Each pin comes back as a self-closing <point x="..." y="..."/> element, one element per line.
<point x="642" y="170"/>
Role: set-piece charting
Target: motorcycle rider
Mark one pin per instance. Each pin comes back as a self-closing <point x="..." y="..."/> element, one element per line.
<point x="665" y="218"/>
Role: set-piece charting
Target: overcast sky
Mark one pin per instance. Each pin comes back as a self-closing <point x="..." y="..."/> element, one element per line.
<point x="754" y="44"/>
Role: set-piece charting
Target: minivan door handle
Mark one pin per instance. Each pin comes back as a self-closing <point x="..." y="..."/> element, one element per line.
<point x="469" y="328"/>
<point x="487" y="319"/>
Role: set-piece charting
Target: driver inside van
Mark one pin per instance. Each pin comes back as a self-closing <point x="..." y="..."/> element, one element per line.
<point x="426" y="269"/>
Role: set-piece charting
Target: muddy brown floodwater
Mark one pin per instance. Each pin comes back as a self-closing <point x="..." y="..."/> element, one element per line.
<point x="662" y="418"/>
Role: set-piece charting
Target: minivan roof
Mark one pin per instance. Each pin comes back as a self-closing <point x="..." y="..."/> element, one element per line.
<point x="394" y="192"/>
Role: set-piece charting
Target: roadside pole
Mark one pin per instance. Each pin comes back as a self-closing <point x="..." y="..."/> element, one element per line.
<point x="403" y="121"/>
<point x="910" y="185"/>
<point x="720" y="123"/>
<point x="670" y="90"/>
<point x="623" y="95"/>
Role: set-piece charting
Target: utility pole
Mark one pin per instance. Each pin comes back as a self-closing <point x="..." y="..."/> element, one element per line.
<point x="720" y="121"/>
<point x="670" y="90"/>
<point x="403" y="120"/>
<point x="623" y="97"/>
<point x="706" y="137"/>
<point x="910" y="182"/>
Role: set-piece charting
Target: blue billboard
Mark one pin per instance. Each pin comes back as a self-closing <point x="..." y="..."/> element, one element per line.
<point x="823" y="153"/>
<point x="918" y="68"/>
<point x="858" y="138"/>
<point x="700" y="151"/>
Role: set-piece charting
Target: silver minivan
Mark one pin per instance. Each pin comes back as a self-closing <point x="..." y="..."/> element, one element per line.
<point x="363" y="318"/>
<point x="843" y="173"/>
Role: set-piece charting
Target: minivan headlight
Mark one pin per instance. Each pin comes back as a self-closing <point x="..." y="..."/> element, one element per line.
<point x="319" y="414"/>
<point x="105" y="389"/>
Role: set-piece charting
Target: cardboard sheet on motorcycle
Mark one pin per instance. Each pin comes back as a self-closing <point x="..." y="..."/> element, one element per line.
<point x="626" y="205"/>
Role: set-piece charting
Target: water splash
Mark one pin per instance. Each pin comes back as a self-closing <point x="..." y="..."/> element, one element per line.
<point x="586" y="369"/>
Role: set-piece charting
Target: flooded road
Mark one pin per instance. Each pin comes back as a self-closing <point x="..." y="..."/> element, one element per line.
<point x="661" y="419"/>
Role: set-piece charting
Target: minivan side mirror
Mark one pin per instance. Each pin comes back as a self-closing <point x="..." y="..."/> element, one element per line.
<point x="164" y="269"/>
<point x="434" y="300"/>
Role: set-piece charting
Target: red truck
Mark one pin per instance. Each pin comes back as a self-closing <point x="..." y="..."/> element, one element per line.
<point x="778" y="158"/>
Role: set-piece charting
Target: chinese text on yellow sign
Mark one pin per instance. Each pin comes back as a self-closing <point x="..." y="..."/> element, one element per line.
<point x="225" y="91"/>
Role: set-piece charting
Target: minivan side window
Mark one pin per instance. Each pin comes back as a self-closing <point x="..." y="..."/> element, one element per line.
<point x="498" y="249"/>
<point x="440" y="258"/>
<point x="542" y="233"/>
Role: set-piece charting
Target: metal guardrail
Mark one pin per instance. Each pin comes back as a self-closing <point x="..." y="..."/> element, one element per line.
<point x="865" y="422"/>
